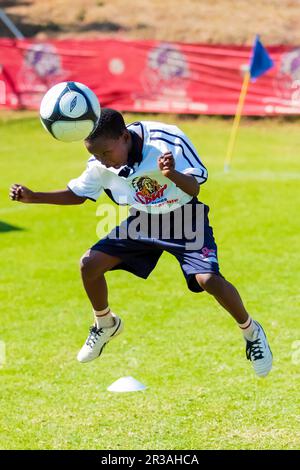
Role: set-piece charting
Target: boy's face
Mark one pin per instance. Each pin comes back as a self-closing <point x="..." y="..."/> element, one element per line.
<point x="111" y="152"/>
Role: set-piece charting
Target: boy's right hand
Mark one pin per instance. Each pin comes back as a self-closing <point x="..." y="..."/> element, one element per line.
<point x="20" y="193"/>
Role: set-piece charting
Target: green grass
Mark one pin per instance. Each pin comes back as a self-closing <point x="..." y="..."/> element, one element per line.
<point x="202" y="393"/>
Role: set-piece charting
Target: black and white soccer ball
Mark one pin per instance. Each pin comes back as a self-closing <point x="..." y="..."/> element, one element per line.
<point x="70" y="111"/>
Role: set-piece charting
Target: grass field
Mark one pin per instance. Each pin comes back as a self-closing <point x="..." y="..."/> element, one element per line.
<point x="202" y="393"/>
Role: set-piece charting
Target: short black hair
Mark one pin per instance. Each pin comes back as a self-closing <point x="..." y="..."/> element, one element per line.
<point x="111" y="125"/>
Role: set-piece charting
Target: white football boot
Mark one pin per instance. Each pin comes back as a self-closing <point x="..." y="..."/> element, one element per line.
<point x="259" y="353"/>
<point x="97" y="339"/>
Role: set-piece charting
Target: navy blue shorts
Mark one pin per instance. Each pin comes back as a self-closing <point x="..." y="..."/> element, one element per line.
<point x="140" y="240"/>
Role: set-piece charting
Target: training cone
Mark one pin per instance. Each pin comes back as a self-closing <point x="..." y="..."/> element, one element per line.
<point x="126" y="384"/>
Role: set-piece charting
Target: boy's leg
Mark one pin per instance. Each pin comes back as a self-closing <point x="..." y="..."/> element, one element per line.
<point x="201" y="270"/>
<point x="257" y="349"/>
<point x="110" y="253"/>
<point x="225" y="293"/>
<point x="93" y="265"/>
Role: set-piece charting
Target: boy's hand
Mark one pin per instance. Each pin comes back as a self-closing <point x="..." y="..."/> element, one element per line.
<point x="20" y="193"/>
<point x="166" y="163"/>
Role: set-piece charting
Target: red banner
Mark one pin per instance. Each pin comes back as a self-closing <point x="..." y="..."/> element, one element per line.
<point x="149" y="76"/>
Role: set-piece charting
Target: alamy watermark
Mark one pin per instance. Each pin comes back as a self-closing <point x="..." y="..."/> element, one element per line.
<point x="184" y="223"/>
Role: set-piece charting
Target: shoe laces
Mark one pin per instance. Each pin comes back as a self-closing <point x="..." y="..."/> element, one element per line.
<point x="95" y="333"/>
<point x="254" y="350"/>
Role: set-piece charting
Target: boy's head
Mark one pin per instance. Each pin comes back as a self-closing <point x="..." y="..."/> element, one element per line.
<point x="110" y="142"/>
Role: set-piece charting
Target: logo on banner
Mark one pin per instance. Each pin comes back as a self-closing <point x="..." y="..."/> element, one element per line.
<point x="148" y="191"/>
<point x="166" y="71"/>
<point x="290" y="64"/>
<point x="289" y="74"/>
<point x="44" y="60"/>
<point x="168" y="62"/>
<point x="166" y="82"/>
<point x="40" y="70"/>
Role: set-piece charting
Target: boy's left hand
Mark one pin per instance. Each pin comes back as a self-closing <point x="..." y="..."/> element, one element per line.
<point x="166" y="163"/>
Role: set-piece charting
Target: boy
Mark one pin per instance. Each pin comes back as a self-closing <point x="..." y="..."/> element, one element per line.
<point x="155" y="169"/>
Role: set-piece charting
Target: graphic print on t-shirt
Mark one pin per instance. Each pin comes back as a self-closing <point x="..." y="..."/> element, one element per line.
<point x="148" y="190"/>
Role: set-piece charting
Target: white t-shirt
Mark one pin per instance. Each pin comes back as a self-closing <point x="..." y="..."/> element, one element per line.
<point x="145" y="187"/>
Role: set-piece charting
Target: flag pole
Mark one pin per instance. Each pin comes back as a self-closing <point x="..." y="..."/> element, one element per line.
<point x="236" y="121"/>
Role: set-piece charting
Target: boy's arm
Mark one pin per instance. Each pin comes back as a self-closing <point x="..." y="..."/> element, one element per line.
<point x="21" y="193"/>
<point x="186" y="183"/>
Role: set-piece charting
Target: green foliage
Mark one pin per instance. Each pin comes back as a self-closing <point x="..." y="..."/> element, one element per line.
<point x="202" y="393"/>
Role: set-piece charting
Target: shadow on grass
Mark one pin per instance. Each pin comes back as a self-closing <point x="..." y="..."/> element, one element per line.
<point x="4" y="227"/>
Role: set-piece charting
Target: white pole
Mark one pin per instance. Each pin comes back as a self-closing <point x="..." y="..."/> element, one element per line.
<point x="11" y="26"/>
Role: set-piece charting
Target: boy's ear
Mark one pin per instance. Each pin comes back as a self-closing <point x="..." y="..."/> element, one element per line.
<point x="126" y="135"/>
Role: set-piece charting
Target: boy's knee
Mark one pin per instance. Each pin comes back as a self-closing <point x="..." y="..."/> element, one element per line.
<point x="89" y="268"/>
<point x="208" y="281"/>
<point x="96" y="263"/>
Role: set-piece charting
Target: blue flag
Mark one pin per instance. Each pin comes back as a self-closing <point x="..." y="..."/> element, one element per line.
<point x="260" y="60"/>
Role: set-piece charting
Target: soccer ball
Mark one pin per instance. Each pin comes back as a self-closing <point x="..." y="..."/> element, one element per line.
<point x="70" y="111"/>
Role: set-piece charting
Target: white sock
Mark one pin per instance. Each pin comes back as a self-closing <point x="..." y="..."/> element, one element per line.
<point x="248" y="328"/>
<point x="104" y="318"/>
